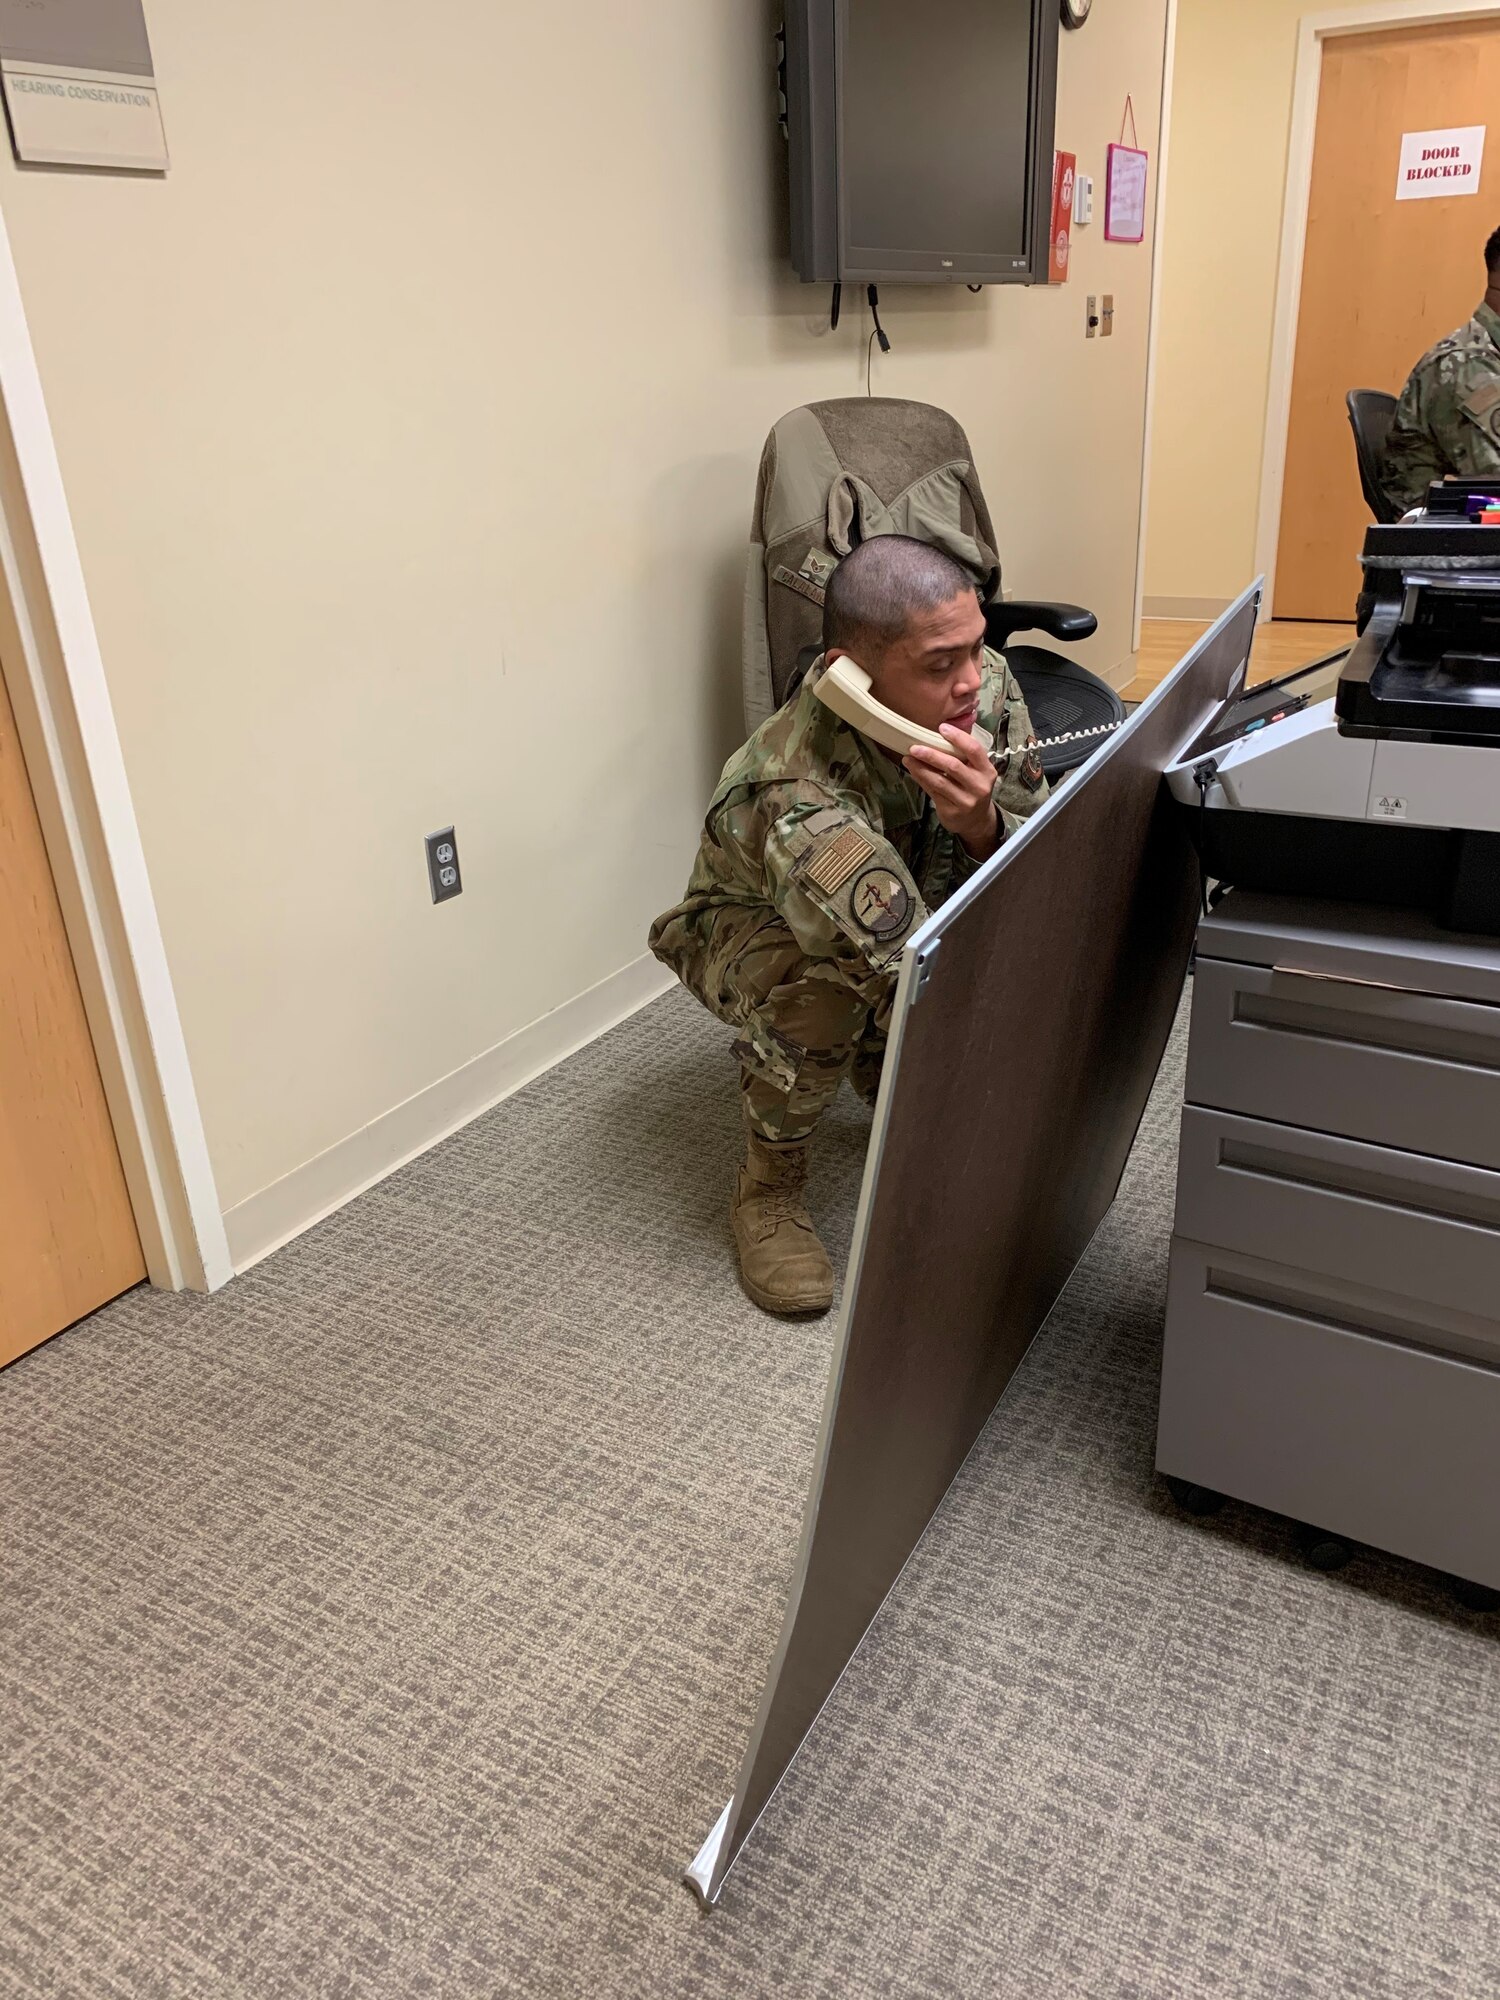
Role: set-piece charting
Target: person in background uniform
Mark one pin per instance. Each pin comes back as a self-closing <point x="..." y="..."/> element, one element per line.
<point x="821" y="853"/>
<point x="1448" y="418"/>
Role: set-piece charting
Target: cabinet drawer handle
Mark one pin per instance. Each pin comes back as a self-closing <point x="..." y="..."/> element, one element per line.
<point x="1477" y="1207"/>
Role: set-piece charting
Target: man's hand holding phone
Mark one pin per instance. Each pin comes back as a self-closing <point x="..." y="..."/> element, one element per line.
<point x="961" y="784"/>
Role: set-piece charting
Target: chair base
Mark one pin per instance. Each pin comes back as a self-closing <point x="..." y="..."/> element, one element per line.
<point x="1063" y="696"/>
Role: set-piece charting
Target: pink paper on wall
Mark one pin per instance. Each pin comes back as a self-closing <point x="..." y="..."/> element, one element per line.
<point x="1125" y="195"/>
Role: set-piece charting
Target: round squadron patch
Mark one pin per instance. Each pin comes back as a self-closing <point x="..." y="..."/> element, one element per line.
<point x="880" y="903"/>
<point x="1031" y="769"/>
<point x="1483" y="408"/>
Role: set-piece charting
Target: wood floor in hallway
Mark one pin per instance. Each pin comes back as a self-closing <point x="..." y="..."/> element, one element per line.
<point x="1279" y="646"/>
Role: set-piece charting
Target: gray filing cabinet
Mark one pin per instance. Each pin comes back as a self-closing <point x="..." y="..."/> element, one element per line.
<point x="1333" y="1315"/>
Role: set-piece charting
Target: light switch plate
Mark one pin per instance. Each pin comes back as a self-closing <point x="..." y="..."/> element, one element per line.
<point x="1091" y="311"/>
<point x="1107" y="315"/>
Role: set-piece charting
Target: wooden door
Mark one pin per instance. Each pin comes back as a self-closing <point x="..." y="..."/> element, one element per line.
<point x="67" y="1237"/>
<point x="1382" y="279"/>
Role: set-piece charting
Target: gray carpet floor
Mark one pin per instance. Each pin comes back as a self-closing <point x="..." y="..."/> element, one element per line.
<point x="392" y="1624"/>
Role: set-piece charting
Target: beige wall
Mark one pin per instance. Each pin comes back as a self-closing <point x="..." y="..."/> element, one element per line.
<point x="410" y="428"/>
<point x="1226" y="174"/>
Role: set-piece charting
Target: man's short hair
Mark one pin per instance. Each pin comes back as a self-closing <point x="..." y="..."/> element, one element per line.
<point x="1492" y="254"/>
<point x="878" y="588"/>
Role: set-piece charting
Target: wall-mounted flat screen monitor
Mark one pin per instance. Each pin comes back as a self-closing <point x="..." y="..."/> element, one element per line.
<point x="920" y="134"/>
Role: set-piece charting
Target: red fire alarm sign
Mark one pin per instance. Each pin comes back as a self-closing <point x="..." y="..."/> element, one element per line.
<point x="1064" y="167"/>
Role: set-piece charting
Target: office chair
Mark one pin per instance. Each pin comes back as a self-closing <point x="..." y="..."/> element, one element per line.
<point x="1370" y="413"/>
<point x="837" y="473"/>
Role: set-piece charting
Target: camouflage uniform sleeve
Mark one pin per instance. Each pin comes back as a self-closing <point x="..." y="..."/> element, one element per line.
<point x="839" y="887"/>
<point x="1413" y="457"/>
<point x="1021" y="783"/>
<point x="964" y="865"/>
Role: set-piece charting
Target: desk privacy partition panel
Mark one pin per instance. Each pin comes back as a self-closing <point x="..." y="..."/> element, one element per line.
<point x="1030" y="1020"/>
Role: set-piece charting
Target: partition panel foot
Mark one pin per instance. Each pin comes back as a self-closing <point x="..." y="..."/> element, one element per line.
<point x="699" y="1874"/>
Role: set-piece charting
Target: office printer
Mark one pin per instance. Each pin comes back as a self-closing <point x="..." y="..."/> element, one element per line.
<point x="1373" y="776"/>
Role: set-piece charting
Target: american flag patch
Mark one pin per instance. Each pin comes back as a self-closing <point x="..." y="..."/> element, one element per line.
<point x="836" y="860"/>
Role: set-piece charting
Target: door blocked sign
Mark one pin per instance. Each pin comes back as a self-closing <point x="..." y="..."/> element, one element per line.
<point x="1440" y="163"/>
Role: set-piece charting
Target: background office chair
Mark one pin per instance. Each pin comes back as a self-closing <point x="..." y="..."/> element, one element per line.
<point x="837" y="473"/>
<point x="1370" y="413"/>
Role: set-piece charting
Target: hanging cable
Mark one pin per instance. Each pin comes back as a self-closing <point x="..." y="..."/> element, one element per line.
<point x="833" y="310"/>
<point x="1203" y="777"/>
<point x="880" y="332"/>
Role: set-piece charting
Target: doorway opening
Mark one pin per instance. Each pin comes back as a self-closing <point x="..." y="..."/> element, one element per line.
<point x="83" y="948"/>
<point x="1245" y="218"/>
<point x="1386" y="271"/>
<point x="70" y="1241"/>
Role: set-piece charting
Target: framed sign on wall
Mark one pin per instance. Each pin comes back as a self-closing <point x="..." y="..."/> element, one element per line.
<point x="1125" y="196"/>
<point x="79" y="86"/>
<point x="1125" y="186"/>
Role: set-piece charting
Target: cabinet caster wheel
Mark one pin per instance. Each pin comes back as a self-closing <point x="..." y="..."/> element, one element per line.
<point x="1474" y="1596"/>
<point x="1192" y="1498"/>
<point x="1322" y="1550"/>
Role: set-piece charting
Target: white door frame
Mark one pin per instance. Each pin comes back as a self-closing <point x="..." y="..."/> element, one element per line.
<point x="72" y="750"/>
<point x="1153" y="322"/>
<point x="1312" y="32"/>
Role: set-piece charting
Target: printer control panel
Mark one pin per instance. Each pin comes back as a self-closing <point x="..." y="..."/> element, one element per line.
<point x="1258" y="707"/>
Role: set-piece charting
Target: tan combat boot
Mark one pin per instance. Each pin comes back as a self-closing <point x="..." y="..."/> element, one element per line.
<point x="784" y="1267"/>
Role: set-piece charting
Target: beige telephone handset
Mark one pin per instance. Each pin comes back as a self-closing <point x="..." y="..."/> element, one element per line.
<point x="845" y="688"/>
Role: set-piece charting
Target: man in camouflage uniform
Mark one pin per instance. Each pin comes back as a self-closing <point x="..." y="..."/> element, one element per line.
<point x="821" y="853"/>
<point x="1448" y="418"/>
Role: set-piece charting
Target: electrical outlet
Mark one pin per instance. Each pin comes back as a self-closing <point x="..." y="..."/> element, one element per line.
<point x="1092" y="316"/>
<point x="1107" y="314"/>
<point x="442" y="865"/>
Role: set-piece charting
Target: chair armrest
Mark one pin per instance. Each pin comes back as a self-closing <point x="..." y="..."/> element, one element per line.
<point x="1058" y="621"/>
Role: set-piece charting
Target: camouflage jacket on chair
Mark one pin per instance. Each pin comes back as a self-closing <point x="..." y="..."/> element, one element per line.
<point x="835" y="474"/>
<point x="1448" y="418"/>
<point x="814" y="824"/>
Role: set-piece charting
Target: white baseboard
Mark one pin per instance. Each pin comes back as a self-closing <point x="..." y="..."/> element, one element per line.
<point x="264" y="1221"/>
<point x="1206" y="608"/>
